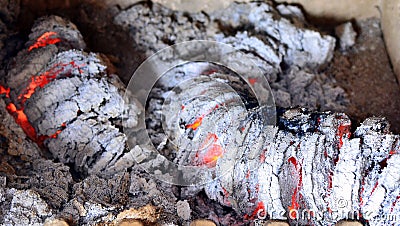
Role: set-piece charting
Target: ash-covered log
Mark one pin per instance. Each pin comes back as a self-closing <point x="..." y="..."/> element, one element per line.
<point x="310" y="169"/>
<point x="64" y="100"/>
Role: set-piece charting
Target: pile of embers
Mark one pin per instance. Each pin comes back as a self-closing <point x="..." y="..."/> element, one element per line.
<point x="65" y="157"/>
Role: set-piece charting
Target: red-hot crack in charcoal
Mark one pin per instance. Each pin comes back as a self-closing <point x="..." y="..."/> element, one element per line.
<point x="44" y="79"/>
<point x="199" y="120"/>
<point x="45" y="39"/>
<point x="213" y="150"/>
<point x="295" y="205"/>
<point x="252" y="81"/>
<point x="35" y="82"/>
<point x="343" y="130"/>
<point x="5" y="91"/>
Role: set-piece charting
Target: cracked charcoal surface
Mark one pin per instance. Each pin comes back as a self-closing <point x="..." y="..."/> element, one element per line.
<point x="308" y="162"/>
<point x="85" y="114"/>
<point x="277" y="46"/>
<point x="315" y="147"/>
<point x="82" y="106"/>
<point x="322" y="170"/>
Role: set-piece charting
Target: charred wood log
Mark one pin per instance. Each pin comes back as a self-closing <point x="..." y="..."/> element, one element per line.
<point x="310" y="169"/>
<point x="64" y="100"/>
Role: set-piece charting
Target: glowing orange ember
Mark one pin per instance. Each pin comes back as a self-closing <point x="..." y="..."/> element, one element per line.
<point x="295" y="205"/>
<point x="343" y="129"/>
<point x="5" y="91"/>
<point x="199" y="120"/>
<point x="214" y="152"/>
<point x="42" y="80"/>
<point x="210" y="151"/>
<point x="42" y="138"/>
<point x="22" y="120"/>
<point x="36" y="81"/>
<point x="196" y="123"/>
<point x="252" y="81"/>
<point x="45" y="39"/>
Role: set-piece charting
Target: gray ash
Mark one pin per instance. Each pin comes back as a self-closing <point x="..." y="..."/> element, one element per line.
<point x="310" y="161"/>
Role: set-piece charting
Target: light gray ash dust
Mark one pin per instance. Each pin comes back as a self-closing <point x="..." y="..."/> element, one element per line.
<point x="286" y="52"/>
<point x="27" y="208"/>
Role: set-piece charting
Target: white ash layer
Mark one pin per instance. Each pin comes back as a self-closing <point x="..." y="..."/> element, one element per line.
<point x="74" y="107"/>
<point x="288" y="53"/>
<point x="316" y="174"/>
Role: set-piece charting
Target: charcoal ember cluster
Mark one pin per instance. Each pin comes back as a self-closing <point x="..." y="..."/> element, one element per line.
<point x="309" y="169"/>
<point x="63" y="154"/>
<point x="211" y="97"/>
<point x="288" y="53"/>
<point x="310" y="163"/>
<point x="312" y="170"/>
<point x="64" y="99"/>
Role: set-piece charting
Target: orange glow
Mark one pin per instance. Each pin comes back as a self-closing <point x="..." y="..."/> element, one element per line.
<point x="43" y="79"/>
<point x="196" y="123"/>
<point x="22" y="120"/>
<point x="210" y="151"/>
<point x="211" y="138"/>
<point x="343" y="129"/>
<point x="199" y="120"/>
<point x="45" y="39"/>
<point x="42" y="138"/>
<point x="214" y="152"/>
<point x="36" y="81"/>
<point x="5" y="91"/>
<point x="252" y="81"/>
